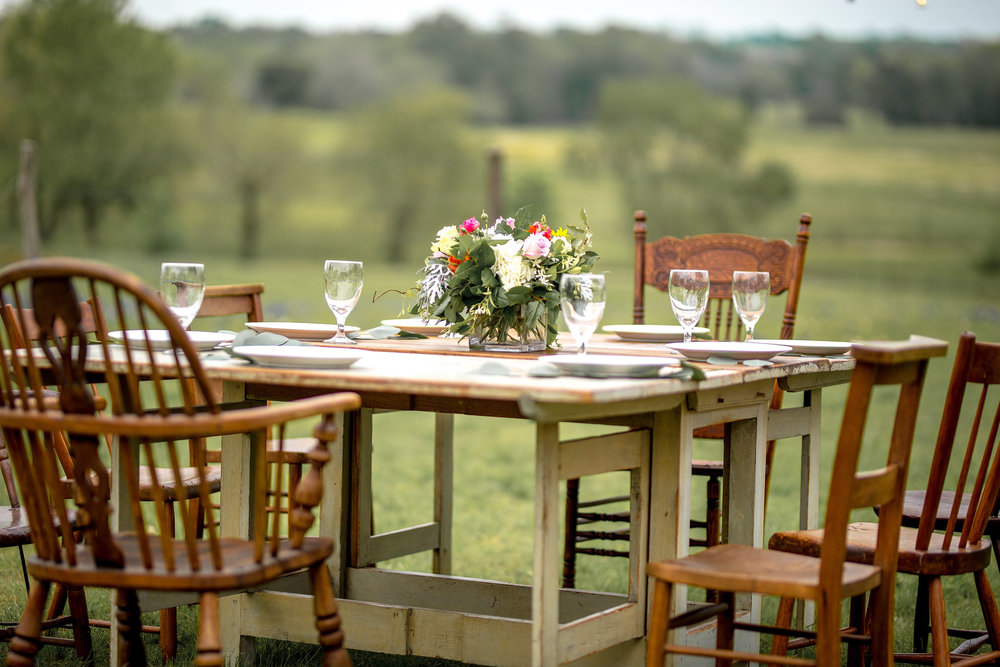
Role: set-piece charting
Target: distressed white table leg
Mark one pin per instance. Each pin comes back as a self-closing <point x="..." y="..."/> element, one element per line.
<point x="669" y="498"/>
<point x="745" y="454"/>
<point x="362" y="521"/>
<point x="238" y="456"/>
<point x="809" y="485"/>
<point x="333" y="507"/>
<point x="119" y="521"/>
<point x="444" y="435"/>
<point x="545" y="576"/>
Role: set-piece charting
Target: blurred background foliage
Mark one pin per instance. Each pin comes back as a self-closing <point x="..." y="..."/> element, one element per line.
<point x="143" y="134"/>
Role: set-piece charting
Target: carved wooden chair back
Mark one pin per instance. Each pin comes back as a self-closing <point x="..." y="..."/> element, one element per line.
<point x="154" y="417"/>
<point x="720" y="255"/>
<point x="242" y="299"/>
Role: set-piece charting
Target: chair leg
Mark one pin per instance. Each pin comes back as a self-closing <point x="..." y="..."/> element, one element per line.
<point x="724" y="628"/>
<point x="294" y="475"/>
<point x="921" y="621"/>
<point x="713" y="523"/>
<point x="939" y="623"/>
<point x="81" y="624"/>
<point x="209" y="641"/>
<point x="168" y="617"/>
<point x="569" y="538"/>
<point x="331" y="637"/>
<point x="26" y="642"/>
<point x="131" y="651"/>
<point x="658" y="623"/>
<point x="779" y="643"/>
<point x="857" y="619"/>
<point x="988" y="603"/>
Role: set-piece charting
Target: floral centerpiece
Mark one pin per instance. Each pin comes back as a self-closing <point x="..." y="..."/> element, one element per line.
<point x="499" y="284"/>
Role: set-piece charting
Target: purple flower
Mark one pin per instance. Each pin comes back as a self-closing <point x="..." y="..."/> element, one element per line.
<point x="536" y="246"/>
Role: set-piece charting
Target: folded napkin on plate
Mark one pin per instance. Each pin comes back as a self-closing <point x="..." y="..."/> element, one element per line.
<point x="377" y="333"/>
<point x="249" y="337"/>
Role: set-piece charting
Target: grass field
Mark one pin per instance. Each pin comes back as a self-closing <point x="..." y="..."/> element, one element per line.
<point x="902" y="218"/>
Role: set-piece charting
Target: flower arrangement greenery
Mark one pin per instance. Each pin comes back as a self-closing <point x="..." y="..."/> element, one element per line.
<point x="501" y="278"/>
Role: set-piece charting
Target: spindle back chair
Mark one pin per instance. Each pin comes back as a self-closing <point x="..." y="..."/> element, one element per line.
<point x="154" y="417"/>
<point x="829" y="579"/>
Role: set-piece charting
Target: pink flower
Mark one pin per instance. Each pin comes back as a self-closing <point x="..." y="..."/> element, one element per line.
<point x="508" y="221"/>
<point x="536" y="246"/>
<point x="470" y="225"/>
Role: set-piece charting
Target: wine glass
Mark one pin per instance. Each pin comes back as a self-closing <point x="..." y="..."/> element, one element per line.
<point x="688" y="297"/>
<point x="750" y="290"/>
<point x="182" y="288"/>
<point x="343" y="289"/>
<point x="581" y="298"/>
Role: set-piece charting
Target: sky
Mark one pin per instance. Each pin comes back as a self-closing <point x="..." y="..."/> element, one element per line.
<point x="935" y="19"/>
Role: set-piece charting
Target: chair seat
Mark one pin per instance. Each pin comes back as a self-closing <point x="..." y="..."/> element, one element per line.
<point x="913" y="505"/>
<point x="294" y="452"/>
<point x="240" y="571"/>
<point x="188" y="479"/>
<point x="740" y="568"/>
<point x="861" y="549"/>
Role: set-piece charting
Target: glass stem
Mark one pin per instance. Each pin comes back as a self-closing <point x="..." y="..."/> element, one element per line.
<point x="583" y="347"/>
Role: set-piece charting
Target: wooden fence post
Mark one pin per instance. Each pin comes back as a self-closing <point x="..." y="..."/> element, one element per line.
<point x="26" y="198"/>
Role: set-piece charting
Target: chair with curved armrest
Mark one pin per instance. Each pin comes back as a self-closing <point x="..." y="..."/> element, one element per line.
<point x="720" y="254"/>
<point x="948" y="538"/>
<point x="154" y="418"/>
<point x="735" y="569"/>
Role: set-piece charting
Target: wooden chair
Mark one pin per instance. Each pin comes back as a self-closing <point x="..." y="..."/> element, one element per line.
<point x="732" y="568"/>
<point x="720" y="254"/>
<point x="154" y="418"/>
<point x="25" y="330"/>
<point x="948" y="538"/>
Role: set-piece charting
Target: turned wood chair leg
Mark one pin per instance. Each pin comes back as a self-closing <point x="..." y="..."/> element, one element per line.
<point x="81" y="624"/>
<point x="331" y="637"/>
<point x="294" y="475"/>
<point x="168" y="617"/>
<point x="27" y="636"/>
<point x="131" y="651"/>
<point x="569" y="544"/>
<point x="779" y="643"/>
<point x="209" y="639"/>
<point x="939" y="623"/>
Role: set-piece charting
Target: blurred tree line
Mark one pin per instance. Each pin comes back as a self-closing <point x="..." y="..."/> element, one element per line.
<point x="120" y="112"/>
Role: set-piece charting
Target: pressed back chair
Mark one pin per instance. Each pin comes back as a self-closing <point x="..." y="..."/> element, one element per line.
<point x="720" y="255"/>
<point x="828" y="580"/>
<point x="948" y="539"/>
<point x="153" y="415"/>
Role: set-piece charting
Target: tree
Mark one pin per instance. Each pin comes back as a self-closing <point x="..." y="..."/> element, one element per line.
<point x="677" y="152"/>
<point x="91" y="89"/>
<point x="410" y="160"/>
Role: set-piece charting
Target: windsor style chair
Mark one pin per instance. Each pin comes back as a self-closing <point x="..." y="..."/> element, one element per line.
<point x="153" y="416"/>
<point x="827" y="580"/>
<point x="720" y="254"/>
<point x="948" y="539"/>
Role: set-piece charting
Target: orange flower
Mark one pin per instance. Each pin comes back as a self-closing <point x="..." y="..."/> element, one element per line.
<point x="453" y="262"/>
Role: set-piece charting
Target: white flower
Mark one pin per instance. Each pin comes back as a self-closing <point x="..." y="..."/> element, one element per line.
<point x="510" y="266"/>
<point x="446" y="238"/>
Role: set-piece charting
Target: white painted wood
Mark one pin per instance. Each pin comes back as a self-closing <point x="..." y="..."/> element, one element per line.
<point x="788" y="423"/>
<point x="333" y="505"/>
<point x="444" y="450"/>
<point x="541" y="411"/>
<point x="361" y="506"/>
<point x="590" y="635"/>
<point x="809" y="485"/>
<point x="404" y="542"/>
<point x="121" y="521"/>
<point x="725" y="396"/>
<point x="639" y="533"/>
<point x="601" y="453"/>
<point x="545" y="576"/>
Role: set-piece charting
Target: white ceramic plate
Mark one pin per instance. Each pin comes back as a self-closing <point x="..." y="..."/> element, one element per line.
<point x="299" y="356"/>
<point x="299" y="330"/>
<point x="160" y="338"/>
<point x="418" y="325"/>
<point x="650" y="333"/>
<point x="817" y="347"/>
<point x="608" y="365"/>
<point x="737" y="351"/>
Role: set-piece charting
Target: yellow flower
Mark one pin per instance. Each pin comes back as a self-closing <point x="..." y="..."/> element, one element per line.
<point x="560" y="232"/>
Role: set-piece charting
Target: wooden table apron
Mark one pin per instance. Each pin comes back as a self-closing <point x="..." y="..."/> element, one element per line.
<point x="488" y="622"/>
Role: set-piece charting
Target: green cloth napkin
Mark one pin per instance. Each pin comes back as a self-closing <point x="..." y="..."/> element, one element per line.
<point x="385" y="331"/>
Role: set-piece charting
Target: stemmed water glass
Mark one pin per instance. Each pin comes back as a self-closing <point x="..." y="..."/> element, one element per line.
<point x="750" y="290"/>
<point x="688" y="297"/>
<point x="581" y="298"/>
<point x="343" y="289"/>
<point x="182" y="288"/>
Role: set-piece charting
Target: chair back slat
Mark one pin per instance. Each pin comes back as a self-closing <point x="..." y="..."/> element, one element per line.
<point x="874" y="487"/>
<point x="976" y="363"/>
<point x="720" y="255"/>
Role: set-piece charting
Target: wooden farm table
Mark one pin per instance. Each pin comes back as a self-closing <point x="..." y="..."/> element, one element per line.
<point x="495" y="623"/>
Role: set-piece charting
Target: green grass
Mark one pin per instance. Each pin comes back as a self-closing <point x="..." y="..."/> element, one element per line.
<point x="901" y="219"/>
